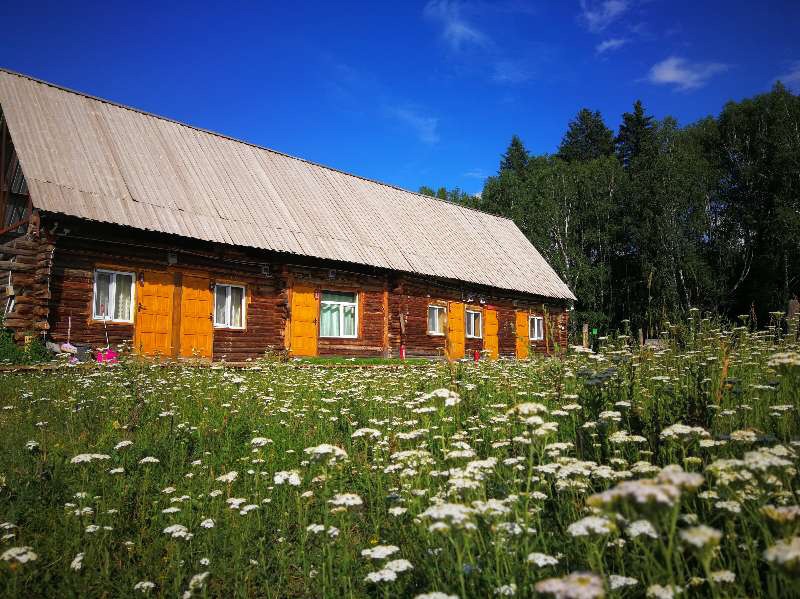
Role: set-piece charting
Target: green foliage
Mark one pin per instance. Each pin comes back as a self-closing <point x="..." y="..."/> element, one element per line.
<point x="706" y="215"/>
<point x="635" y="135"/>
<point x="455" y="195"/>
<point x="471" y="472"/>
<point x="14" y="353"/>
<point x="516" y="157"/>
<point x="587" y="138"/>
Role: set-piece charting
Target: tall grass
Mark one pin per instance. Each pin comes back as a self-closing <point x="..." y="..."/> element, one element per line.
<point x="626" y="472"/>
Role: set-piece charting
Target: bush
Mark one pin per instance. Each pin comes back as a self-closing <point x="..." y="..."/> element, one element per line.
<point x="14" y="353"/>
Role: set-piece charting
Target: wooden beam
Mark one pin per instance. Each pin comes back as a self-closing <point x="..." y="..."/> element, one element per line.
<point x="15" y="225"/>
<point x="3" y="190"/>
<point x="16" y="266"/>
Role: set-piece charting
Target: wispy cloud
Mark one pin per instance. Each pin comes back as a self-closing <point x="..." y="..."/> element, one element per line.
<point x="791" y="78"/>
<point x="614" y="43"/>
<point x="682" y="74"/>
<point x="475" y="173"/>
<point x="424" y="127"/>
<point x="599" y="15"/>
<point x="457" y="32"/>
<point x="509" y="71"/>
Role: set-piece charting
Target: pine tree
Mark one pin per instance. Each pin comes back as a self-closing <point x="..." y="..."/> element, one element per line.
<point x="516" y="157"/>
<point x="587" y="138"/>
<point x="636" y="134"/>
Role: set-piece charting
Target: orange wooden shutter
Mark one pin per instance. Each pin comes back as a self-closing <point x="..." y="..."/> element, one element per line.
<point x="490" y="341"/>
<point x="523" y="343"/>
<point x="303" y="321"/>
<point x="197" y="327"/>
<point x="455" y="331"/>
<point x="153" y="328"/>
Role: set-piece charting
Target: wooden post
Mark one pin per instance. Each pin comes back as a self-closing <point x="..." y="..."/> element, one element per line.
<point x="641" y="338"/>
<point x="585" y="334"/>
<point x="3" y="191"/>
<point x="793" y="309"/>
<point x="387" y="353"/>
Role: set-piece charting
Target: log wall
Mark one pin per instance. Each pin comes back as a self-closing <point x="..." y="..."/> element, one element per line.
<point x="371" y="311"/>
<point x="392" y="308"/>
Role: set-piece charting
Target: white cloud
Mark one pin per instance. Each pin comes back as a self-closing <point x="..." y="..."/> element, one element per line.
<point x="791" y="78"/>
<point x="684" y="75"/>
<point x="475" y="173"/>
<point x="599" y="15"/>
<point x="425" y="127"/>
<point x="614" y="43"/>
<point x="456" y="31"/>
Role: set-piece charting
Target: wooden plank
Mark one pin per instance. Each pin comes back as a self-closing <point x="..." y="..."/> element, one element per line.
<point x="386" y="350"/>
<point x="3" y="190"/>
<point x="176" y="312"/>
<point x="14" y="266"/>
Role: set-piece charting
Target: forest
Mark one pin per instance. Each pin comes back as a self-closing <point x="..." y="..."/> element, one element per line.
<point x="660" y="218"/>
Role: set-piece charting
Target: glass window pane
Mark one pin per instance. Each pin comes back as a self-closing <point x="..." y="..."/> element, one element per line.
<point x="102" y="284"/>
<point x="237" y="300"/>
<point x="432" y="328"/>
<point x="337" y="296"/>
<point x="122" y="301"/>
<point x="441" y="320"/>
<point x="349" y="321"/>
<point x="329" y="320"/>
<point x="220" y="296"/>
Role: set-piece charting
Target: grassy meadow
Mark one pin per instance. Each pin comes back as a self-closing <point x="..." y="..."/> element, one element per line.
<point x="662" y="472"/>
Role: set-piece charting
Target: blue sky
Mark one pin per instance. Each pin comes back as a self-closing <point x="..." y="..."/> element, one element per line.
<point x="410" y="93"/>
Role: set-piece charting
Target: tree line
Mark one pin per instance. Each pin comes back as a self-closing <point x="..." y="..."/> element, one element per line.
<point x="657" y="219"/>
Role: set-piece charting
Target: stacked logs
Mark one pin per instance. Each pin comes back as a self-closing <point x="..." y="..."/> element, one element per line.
<point x="25" y="267"/>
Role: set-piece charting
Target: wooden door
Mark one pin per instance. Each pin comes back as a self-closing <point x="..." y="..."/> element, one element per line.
<point x="455" y="331"/>
<point x="523" y="343"/>
<point x="304" y="321"/>
<point x="491" y="328"/>
<point x="153" y="329"/>
<point x="197" y="326"/>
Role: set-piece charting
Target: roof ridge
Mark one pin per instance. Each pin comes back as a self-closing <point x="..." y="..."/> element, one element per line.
<point x="248" y="143"/>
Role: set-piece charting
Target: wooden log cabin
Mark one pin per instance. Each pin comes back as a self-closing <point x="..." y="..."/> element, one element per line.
<point x="185" y="242"/>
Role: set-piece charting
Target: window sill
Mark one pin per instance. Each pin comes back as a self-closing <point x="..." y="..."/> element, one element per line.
<point x="468" y="337"/>
<point x="109" y="321"/>
<point x="338" y="336"/>
<point x="219" y="327"/>
<point x="436" y="334"/>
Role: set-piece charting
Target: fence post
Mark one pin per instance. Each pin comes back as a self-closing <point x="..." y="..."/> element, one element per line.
<point x="641" y="338"/>
<point x="585" y="335"/>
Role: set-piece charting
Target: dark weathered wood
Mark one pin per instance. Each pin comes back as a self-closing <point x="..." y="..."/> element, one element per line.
<point x="392" y="307"/>
<point x="14" y="266"/>
<point x="3" y="190"/>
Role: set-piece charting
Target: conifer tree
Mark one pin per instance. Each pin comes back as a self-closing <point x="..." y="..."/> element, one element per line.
<point x="515" y="158"/>
<point x="636" y="134"/>
<point x="586" y="138"/>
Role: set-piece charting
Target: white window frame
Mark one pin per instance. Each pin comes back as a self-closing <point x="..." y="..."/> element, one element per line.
<point x="227" y="325"/>
<point x="341" y="306"/>
<point x="532" y="328"/>
<point x="441" y="315"/>
<point x="480" y="325"/>
<point x="111" y="316"/>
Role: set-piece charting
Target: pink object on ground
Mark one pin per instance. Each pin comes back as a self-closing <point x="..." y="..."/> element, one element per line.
<point x="107" y="356"/>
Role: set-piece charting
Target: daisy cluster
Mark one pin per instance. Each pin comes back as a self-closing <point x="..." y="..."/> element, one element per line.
<point x="663" y="471"/>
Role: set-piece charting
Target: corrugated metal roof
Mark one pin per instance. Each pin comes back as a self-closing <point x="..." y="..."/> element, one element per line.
<point x="97" y="160"/>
